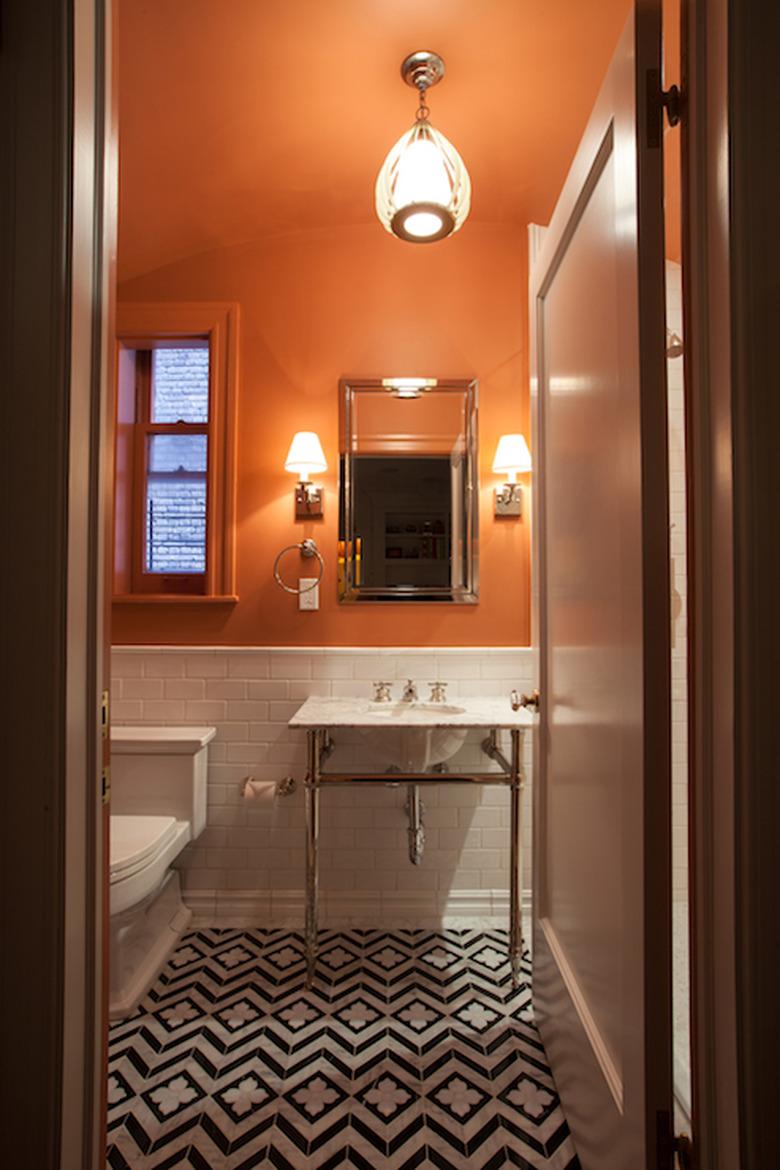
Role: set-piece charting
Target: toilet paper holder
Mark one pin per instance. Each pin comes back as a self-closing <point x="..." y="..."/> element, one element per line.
<point x="285" y="787"/>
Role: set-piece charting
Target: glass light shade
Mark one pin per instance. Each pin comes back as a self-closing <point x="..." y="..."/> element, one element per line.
<point x="512" y="456"/>
<point x="423" y="191"/>
<point x="305" y="456"/>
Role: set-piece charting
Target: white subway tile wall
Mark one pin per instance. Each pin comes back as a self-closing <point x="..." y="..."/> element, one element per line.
<point x="247" y="867"/>
<point x="677" y="520"/>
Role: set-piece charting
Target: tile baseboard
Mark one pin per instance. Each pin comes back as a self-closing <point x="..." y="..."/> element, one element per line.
<point x="395" y="909"/>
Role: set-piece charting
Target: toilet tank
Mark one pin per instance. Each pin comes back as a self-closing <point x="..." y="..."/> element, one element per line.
<point x="161" y="771"/>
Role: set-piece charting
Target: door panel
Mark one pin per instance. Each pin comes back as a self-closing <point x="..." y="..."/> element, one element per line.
<point x="601" y="914"/>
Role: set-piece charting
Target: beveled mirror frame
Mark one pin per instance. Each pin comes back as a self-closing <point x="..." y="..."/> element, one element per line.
<point x="349" y="589"/>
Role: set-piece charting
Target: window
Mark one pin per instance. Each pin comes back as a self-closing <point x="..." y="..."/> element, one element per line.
<point x="172" y="392"/>
<point x="174" y="453"/>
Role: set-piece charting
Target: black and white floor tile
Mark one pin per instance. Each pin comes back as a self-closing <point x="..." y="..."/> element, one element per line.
<point x="412" y="1050"/>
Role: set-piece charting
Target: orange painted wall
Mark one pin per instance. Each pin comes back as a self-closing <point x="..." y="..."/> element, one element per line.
<point x="354" y="302"/>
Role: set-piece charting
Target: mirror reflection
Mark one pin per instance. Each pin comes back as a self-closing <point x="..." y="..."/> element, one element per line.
<point x="408" y="491"/>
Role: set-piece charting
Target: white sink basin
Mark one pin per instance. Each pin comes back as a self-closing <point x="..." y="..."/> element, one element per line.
<point x="424" y="710"/>
<point x="413" y="749"/>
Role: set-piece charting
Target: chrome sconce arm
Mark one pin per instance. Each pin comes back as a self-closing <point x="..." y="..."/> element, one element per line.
<point x="509" y="500"/>
<point x="308" y="500"/>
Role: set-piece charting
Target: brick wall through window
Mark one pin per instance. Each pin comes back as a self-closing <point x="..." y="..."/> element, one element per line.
<point x="177" y="464"/>
<point x="180" y="384"/>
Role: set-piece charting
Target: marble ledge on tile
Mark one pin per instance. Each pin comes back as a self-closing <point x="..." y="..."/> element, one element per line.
<point x="347" y="712"/>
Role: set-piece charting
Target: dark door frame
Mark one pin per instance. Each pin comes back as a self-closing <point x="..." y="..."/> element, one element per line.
<point x="55" y="301"/>
<point x="55" y="305"/>
<point x="753" y="44"/>
<point x="708" y="385"/>
<point x="732" y="302"/>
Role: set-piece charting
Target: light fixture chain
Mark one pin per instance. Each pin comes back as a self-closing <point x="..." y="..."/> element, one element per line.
<point x="422" y="110"/>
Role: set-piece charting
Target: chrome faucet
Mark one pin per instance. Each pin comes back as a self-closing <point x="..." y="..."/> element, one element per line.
<point x="410" y="692"/>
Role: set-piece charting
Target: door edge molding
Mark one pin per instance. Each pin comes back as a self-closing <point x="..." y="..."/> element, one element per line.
<point x="579" y="1001"/>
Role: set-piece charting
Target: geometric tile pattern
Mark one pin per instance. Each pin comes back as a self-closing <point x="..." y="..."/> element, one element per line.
<point x="412" y="1050"/>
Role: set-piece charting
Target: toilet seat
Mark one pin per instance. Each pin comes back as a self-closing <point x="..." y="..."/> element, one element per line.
<point x="134" y="840"/>
<point x="142" y="849"/>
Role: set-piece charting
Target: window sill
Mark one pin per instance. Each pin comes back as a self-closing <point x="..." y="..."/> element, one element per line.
<point x="174" y="599"/>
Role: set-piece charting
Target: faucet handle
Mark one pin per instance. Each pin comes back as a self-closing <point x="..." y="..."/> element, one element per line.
<point x="438" y="692"/>
<point x="382" y="692"/>
<point x="530" y="702"/>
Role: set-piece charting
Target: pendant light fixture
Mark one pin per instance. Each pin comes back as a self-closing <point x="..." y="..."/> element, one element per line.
<point x="423" y="191"/>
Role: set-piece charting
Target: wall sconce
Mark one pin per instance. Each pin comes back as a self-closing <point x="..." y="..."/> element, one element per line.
<point x="304" y="458"/>
<point x="511" y="459"/>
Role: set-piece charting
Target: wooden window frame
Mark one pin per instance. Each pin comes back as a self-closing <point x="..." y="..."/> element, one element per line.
<point x="142" y="579"/>
<point x="143" y="327"/>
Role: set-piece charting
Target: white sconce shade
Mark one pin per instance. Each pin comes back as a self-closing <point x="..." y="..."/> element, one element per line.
<point x="305" y="456"/>
<point x="512" y="457"/>
<point x="423" y="191"/>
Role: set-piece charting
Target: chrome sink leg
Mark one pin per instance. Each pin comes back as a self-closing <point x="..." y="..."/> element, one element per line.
<point x="515" y="866"/>
<point x="415" y="809"/>
<point x="312" y="792"/>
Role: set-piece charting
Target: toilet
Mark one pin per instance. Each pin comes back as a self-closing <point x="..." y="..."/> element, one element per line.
<point x="158" y="805"/>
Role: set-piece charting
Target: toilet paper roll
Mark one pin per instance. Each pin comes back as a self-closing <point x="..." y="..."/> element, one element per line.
<point x="261" y="791"/>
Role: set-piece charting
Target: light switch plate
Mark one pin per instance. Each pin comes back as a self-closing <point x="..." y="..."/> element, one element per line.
<point x="311" y="598"/>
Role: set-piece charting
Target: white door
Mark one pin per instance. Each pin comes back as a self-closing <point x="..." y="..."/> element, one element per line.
<point x="602" y="833"/>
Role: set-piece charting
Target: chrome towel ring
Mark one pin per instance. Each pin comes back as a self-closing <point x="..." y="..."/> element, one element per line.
<point x="308" y="548"/>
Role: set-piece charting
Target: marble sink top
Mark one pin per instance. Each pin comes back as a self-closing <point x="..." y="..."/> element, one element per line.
<point x="490" y="712"/>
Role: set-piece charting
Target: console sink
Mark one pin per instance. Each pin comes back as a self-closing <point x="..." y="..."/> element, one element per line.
<point x="407" y="740"/>
<point x="409" y="737"/>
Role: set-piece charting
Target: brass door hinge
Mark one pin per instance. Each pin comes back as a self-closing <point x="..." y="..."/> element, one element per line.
<point x="671" y="99"/>
<point x="673" y="1150"/>
<point x="104" y="711"/>
<point x="683" y="1148"/>
<point x="105" y="784"/>
<point x="660" y="102"/>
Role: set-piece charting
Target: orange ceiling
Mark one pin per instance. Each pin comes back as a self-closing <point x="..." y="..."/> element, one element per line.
<point x="241" y="119"/>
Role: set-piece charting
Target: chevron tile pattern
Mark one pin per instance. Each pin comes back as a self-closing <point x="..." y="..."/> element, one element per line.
<point x="412" y="1050"/>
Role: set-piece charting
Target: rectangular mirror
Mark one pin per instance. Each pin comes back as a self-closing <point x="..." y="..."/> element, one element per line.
<point x="408" y="491"/>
